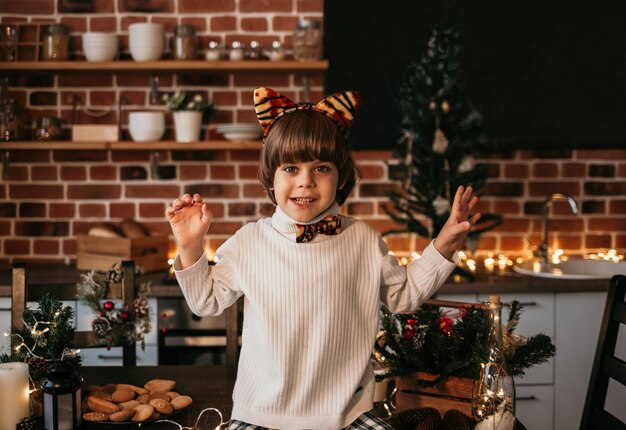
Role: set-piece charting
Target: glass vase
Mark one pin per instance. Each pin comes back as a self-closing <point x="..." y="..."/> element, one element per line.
<point x="493" y="396"/>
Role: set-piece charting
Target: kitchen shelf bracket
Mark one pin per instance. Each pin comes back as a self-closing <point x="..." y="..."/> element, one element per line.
<point x="6" y="156"/>
<point x="154" y="164"/>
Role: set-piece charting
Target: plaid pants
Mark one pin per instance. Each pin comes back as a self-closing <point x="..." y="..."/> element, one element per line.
<point x="367" y="421"/>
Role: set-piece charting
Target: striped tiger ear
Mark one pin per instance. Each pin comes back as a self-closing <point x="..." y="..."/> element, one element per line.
<point x="341" y="108"/>
<point x="271" y="105"/>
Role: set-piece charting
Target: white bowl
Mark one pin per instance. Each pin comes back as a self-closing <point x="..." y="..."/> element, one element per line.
<point x="100" y="46"/>
<point x="146" y="41"/>
<point x="146" y="126"/>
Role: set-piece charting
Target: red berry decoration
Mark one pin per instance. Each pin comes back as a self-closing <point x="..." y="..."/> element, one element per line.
<point x="109" y="306"/>
<point x="412" y="322"/>
<point x="409" y="334"/>
<point x="124" y="315"/>
<point x="445" y="325"/>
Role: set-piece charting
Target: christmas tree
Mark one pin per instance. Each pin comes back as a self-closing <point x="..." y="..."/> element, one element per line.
<point x="439" y="129"/>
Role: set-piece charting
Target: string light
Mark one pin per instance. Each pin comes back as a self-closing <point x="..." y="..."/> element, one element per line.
<point x="611" y="255"/>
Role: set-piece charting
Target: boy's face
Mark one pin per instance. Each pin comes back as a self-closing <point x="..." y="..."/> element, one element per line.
<point x="303" y="190"/>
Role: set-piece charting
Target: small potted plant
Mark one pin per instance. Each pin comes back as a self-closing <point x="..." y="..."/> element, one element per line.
<point x="188" y="113"/>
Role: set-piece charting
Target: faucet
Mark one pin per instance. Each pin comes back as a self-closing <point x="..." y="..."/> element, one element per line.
<point x="542" y="250"/>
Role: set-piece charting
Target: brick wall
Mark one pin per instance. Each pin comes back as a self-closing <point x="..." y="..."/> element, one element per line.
<point x="52" y="196"/>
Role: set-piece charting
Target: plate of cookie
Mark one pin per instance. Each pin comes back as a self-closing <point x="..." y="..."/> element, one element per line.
<point x="133" y="404"/>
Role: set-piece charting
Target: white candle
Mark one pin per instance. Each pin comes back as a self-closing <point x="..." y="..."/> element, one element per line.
<point x="14" y="394"/>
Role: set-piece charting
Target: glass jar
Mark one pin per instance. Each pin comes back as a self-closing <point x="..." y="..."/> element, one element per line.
<point x="237" y="51"/>
<point x="48" y="128"/>
<point x="9" y="122"/>
<point x="56" y="43"/>
<point x="185" y="43"/>
<point x="307" y="40"/>
<point x="256" y="51"/>
<point x="276" y="52"/>
<point x="214" y="52"/>
<point x="493" y="396"/>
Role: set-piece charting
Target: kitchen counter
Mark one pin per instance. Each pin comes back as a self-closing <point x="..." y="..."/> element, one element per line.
<point x="63" y="280"/>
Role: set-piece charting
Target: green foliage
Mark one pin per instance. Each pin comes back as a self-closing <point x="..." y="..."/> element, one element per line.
<point x="451" y="346"/>
<point x="429" y="98"/>
<point x="46" y="339"/>
<point x="114" y="326"/>
<point x="181" y="101"/>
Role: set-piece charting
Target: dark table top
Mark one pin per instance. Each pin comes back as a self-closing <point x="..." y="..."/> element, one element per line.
<point x="208" y="386"/>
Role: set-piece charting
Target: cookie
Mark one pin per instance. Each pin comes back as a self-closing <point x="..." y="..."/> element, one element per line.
<point x="96" y="417"/>
<point x="162" y="396"/>
<point x="122" y="395"/>
<point x="97" y="404"/>
<point x="181" y="402"/>
<point x="162" y="406"/>
<point x="160" y="385"/>
<point x="123" y="415"/>
<point x="130" y="404"/>
<point x="172" y="394"/>
<point x="101" y="394"/>
<point x="142" y="413"/>
<point x="136" y="389"/>
<point x="144" y="398"/>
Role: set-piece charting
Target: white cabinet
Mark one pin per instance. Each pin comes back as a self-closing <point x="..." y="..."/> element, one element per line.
<point x="578" y="317"/>
<point x="534" y="405"/>
<point x="5" y="324"/>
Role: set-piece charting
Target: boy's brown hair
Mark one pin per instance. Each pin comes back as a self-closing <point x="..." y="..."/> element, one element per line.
<point x="307" y="135"/>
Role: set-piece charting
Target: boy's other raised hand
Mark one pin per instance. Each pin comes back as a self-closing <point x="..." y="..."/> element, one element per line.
<point x="189" y="219"/>
<point x="453" y="234"/>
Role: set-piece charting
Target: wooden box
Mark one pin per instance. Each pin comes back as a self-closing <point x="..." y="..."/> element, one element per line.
<point x="453" y="393"/>
<point x="100" y="253"/>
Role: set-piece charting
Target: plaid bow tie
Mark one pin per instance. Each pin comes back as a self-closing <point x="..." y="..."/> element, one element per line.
<point x="329" y="225"/>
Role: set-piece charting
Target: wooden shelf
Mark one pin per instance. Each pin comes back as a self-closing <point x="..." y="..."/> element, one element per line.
<point x="130" y="146"/>
<point x="165" y="65"/>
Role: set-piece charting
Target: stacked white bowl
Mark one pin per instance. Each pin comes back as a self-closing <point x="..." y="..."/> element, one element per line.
<point x="146" y="126"/>
<point x="146" y="41"/>
<point x="241" y="131"/>
<point x="100" y="46"/>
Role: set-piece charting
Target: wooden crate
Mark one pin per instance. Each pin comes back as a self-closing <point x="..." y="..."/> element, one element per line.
<point x="100" y="253"/>
<point x="453" y="393"/>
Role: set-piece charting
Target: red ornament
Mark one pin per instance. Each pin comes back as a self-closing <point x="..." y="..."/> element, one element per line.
<point x="124" y="315"/>
<point x="445" y="325"/>
<point x="164" y="330"/>
<point x="409" y="334"/>
<point x="412" y="322"/>
<point x="109" y="306"/>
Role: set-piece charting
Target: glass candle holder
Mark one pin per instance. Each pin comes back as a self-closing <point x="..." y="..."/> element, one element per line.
<point x="56" y="43"/>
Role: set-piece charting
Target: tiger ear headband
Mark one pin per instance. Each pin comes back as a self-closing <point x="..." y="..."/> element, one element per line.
<point x="270" y="106"/>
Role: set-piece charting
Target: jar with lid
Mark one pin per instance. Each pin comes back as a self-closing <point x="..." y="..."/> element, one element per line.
<point x="214" y="51"/>
<point x="185" y="43"/>
<point x="307" y="40"/>
<point x="256" y="50"/>
<point x="237" y="51"/>
<point x="48" y="128"/>
<point x="56" y="43"/>
<point x="9" y="122"/>
<point x="276" y="52"/>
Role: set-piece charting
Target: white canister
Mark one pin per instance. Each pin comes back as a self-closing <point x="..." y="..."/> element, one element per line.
<point x="14" y="394"/>
<point x="146" y="41"/>
<point x="187" y="124"/>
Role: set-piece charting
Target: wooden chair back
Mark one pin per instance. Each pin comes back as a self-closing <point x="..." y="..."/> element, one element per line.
<point x="124" y="291"/>
<point x="606" y="365"/>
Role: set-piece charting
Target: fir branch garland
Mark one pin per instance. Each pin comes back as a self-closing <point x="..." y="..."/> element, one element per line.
<point x="45" y="340"/>
<point x="115" y="327"/>
<point x="452" y="347"/>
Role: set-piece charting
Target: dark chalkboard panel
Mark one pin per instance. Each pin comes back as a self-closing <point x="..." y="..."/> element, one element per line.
<point x="544" y="73"/>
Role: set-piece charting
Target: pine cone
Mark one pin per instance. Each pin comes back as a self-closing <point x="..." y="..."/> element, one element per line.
<point x="37" y="363"/>
<point x="140" y="308"/>
<point x="457" y="420"/>
<point x="115" y="275"/>
<point x="416" y="419"/>
<point x="100" y="327"/>
<point x="28" y="423"/>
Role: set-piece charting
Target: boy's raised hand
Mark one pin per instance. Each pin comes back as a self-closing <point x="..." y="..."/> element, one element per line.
<point x="453" y="234"/>
<point x="189" y="219"/>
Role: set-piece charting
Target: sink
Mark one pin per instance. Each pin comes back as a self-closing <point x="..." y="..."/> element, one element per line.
<point x="572" y="269"/>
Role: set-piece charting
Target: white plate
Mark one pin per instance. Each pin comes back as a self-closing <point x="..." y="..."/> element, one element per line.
<point x="242" y="136"/>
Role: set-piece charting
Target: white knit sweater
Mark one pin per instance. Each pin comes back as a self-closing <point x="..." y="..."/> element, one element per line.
<point x="311" y="314"/>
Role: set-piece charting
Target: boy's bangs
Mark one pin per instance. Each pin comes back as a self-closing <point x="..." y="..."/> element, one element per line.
<point x="314" y="139"/>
